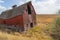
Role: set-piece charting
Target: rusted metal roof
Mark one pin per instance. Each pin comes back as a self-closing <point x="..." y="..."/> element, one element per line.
<point x="14" y="12"/>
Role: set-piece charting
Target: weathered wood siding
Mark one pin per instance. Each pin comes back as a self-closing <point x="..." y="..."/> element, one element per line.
<point x="18" y="20"/>
<point x="1" y="21"/>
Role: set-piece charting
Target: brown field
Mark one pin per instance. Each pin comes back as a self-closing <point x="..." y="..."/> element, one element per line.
<point x="35" y="33"/>
<point x="47" y="18"/>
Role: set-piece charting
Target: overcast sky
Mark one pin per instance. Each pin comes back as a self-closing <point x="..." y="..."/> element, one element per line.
<point x="41" y="6"/>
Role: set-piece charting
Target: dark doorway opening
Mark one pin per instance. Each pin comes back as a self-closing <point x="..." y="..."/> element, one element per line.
<point x="29" y="9"/>
<point x="31" y="25"/>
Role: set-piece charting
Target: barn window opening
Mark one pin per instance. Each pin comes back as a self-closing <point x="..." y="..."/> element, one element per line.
<point x="31" y="25"/>
<point x="29" y="9"/>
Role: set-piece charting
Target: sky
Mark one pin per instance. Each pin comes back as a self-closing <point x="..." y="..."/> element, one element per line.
<point x="40" y="6"/>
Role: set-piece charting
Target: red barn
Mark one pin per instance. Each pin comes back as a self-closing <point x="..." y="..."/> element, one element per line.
<point x="21" y="17"/>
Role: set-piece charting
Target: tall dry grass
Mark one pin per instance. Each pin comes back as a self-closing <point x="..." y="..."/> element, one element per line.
<point x="35" y="33"/>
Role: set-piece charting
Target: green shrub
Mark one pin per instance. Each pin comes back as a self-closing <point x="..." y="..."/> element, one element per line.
<point x="57" y="22"/>
<point x="54" y="29"/>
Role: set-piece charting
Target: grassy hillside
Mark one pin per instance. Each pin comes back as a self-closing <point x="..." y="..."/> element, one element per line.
<point x="36" y="33"/>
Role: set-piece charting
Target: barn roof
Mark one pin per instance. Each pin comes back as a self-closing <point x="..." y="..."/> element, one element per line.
<point x="14" y="11"/>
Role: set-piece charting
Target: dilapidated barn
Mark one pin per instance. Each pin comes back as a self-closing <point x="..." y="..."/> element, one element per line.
<point x="22" y="17"/>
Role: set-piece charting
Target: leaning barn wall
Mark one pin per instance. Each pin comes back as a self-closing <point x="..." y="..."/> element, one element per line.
<point x="33" y="14"/>
<point x="18" y="20"/>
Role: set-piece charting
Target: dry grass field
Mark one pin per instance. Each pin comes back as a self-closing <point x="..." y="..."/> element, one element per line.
<point x="36" y="33"/>
<point x="47" y="18"/>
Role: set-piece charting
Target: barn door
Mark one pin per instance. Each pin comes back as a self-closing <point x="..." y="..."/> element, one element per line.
<point x="31" y="25"/>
